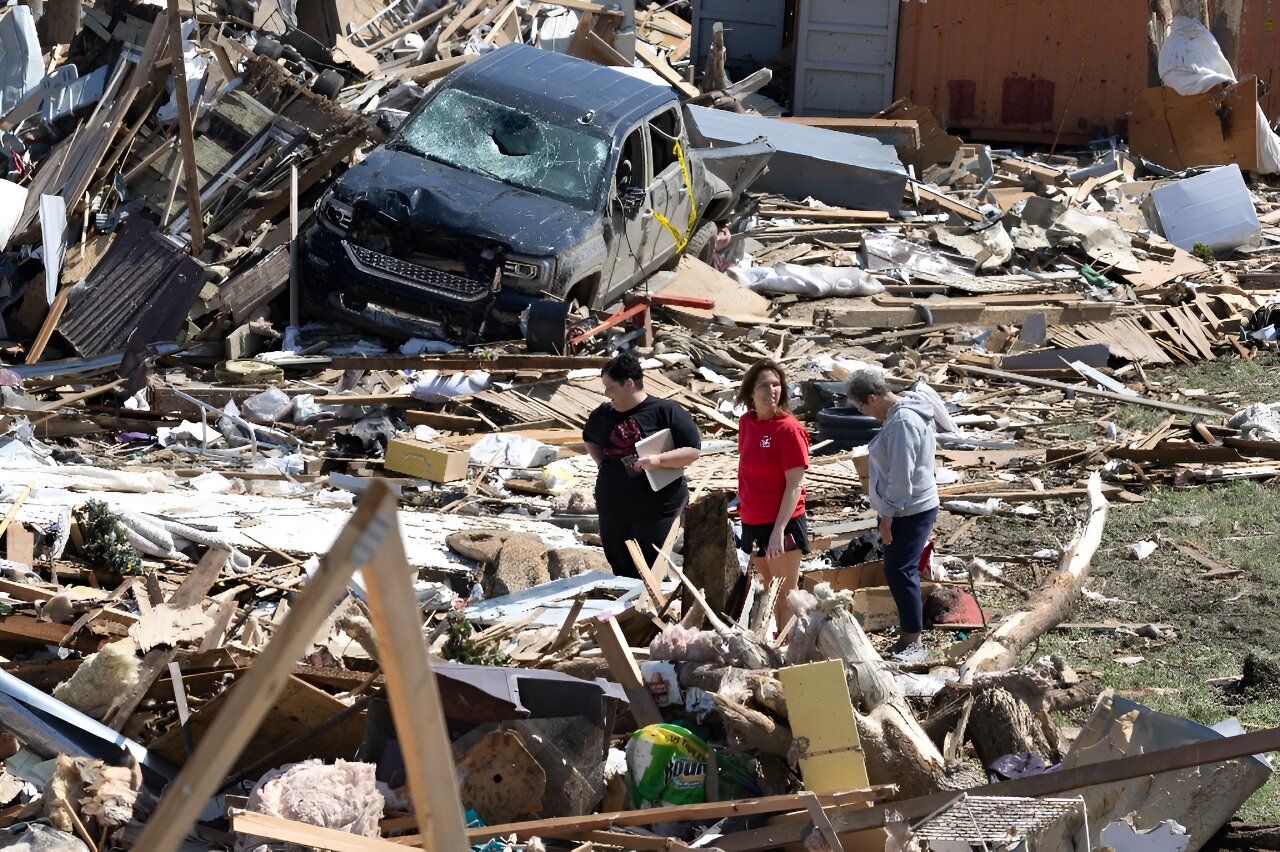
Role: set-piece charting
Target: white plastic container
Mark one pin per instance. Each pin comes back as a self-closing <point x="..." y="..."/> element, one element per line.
<point x="1214" y="208"/>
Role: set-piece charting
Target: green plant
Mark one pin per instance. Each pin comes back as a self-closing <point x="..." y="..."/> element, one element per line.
<point x="1203" y="252"/>
<point x="461" y="648"/>
<point x="105" y="544"/>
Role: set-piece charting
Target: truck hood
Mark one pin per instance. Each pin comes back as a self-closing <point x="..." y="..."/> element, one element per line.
<point x="425" y="193"/>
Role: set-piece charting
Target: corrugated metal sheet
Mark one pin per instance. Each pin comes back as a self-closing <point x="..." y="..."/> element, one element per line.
<point x="1025" y="69"/>
<point x="1020" y="69"/>
<point x="143" y="284"/>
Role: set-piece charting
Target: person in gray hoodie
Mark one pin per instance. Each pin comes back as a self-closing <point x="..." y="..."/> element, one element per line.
<point x="903" y="494"/>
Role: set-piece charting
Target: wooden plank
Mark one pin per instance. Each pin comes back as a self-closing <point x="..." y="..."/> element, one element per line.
<point x="948" y="203"/>
<point x="456" y="22"/>
<point x="186" y="134"/>
<point x="446" y="422"/>
<point x="369" y="531"/>
<point x="561" y="827"/>
<point x="49" y="325"/>
<point x="1087" y="391"/>
<point x="646" y="54"/>
<point x="306" y="835"/>
<point x="625" y="671"/>
<point x="413" y="694"/>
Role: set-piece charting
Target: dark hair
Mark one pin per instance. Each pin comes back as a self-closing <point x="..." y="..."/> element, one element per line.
<point x="748" y="388"/>
<point x="622" y="367"/>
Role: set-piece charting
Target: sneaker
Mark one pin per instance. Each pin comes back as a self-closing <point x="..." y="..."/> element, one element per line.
<point x="907" y="652"/>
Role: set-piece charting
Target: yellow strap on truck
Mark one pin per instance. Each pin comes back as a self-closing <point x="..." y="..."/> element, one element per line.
<point x="681" y="241"/>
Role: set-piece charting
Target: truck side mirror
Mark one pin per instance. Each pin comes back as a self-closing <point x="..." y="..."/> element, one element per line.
<point x="632" y="201"/>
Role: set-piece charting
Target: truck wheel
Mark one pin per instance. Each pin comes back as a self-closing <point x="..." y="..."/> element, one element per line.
<point x="702" y="244"/>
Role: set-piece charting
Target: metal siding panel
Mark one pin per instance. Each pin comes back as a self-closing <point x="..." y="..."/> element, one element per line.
<point x="143" y="284"/>
<point x="753" y="29"/>
<point x="845" y="56"/>
<point x="1090" y="56"/>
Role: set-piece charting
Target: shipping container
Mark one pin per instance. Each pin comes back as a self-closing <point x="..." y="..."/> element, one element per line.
<point x="1046" y="70"/>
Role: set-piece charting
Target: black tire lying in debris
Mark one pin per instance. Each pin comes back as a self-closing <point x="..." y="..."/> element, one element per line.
<point x="269" y="48"/>
<point x="845" y="428"/>
<point x="328" y="83"/>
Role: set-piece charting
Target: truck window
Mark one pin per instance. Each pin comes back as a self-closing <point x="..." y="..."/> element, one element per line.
<point x="477" y="135"/>
<point x="630" y="171"/>
<point x="664" y="129"/>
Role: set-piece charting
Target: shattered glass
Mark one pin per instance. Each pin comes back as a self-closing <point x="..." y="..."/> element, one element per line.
<point x="487" y="138"/>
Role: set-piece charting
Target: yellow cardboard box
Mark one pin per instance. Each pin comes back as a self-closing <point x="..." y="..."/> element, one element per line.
<point x="425" y="461"/>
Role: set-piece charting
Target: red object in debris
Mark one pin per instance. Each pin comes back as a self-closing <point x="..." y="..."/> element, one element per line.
<point x="950" y="605"/>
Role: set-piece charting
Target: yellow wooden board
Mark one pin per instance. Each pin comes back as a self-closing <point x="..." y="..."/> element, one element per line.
<point x="819" y="708"/>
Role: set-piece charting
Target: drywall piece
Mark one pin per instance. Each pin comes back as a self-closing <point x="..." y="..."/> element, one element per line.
<point x="838" y="168"/>
<point x="53" y="235"/>
<point x="1202" y="798"/>
<point x="1214" y="208"/>
<point x="13" y="200"/>
<point x="1168" y="836"/>
<point x="21" y="68"/>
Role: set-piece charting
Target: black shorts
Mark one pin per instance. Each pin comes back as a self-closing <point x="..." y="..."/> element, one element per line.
<point x="795" y="536"/>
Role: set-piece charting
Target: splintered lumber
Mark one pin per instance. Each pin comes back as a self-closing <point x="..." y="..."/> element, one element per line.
<point x="156" y="661"/>
<point x="622" y="665"/>
<point x="564" y="827"/>
<point x="370" y="541"/>
<point x="1050" y="604"/>
<point x="1086" y="390"/>
<point x="1047" y="784"/>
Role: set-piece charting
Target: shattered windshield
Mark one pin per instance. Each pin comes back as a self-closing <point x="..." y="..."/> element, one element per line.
<point x="486" y="138"/>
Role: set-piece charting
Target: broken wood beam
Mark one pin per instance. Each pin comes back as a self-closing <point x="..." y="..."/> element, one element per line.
<point x="186" y="133"/>
<point x="370" y="541"/>
<point x="625" y="671"/>
<point x="1018" y="378"/>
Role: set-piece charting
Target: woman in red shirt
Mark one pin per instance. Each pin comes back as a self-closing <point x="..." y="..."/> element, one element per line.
<point x="773" y="452"/>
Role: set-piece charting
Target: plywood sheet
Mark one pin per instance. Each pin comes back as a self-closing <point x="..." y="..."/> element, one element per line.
<point x="819" y="709"/>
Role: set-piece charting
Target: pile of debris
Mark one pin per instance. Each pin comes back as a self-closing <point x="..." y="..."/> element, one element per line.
<point x="191" y="477"/>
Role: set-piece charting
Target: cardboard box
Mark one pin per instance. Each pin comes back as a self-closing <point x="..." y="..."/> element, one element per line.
<point x="425" y="461"/>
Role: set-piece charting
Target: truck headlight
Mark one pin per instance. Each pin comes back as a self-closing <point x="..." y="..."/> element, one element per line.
<point x="337" y="213"/>
<point x="519" y="270"/>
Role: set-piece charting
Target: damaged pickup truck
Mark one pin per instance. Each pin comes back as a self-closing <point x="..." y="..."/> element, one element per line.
<point x="526" y="175"/>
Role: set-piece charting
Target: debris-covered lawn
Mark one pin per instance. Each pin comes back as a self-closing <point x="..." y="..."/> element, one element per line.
<point x="300" y="529"/>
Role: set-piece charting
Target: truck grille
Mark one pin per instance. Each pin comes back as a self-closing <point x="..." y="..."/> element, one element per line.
<point x="419" y="277"/>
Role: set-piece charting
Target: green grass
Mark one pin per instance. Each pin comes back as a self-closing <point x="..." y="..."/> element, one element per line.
<point x="1217" y="622"/>
<point x="1256" y="381"/>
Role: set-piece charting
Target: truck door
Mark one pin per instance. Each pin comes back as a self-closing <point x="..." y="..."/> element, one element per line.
<point x="631" y="213"/>
<point x="671" y="191"/>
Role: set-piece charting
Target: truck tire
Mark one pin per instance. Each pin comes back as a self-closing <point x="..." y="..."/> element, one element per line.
<point x="846" y="428"/>
<point x="328" y="84"/>
<point x="268" y="47"/>
<point x="702" y="244"/>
